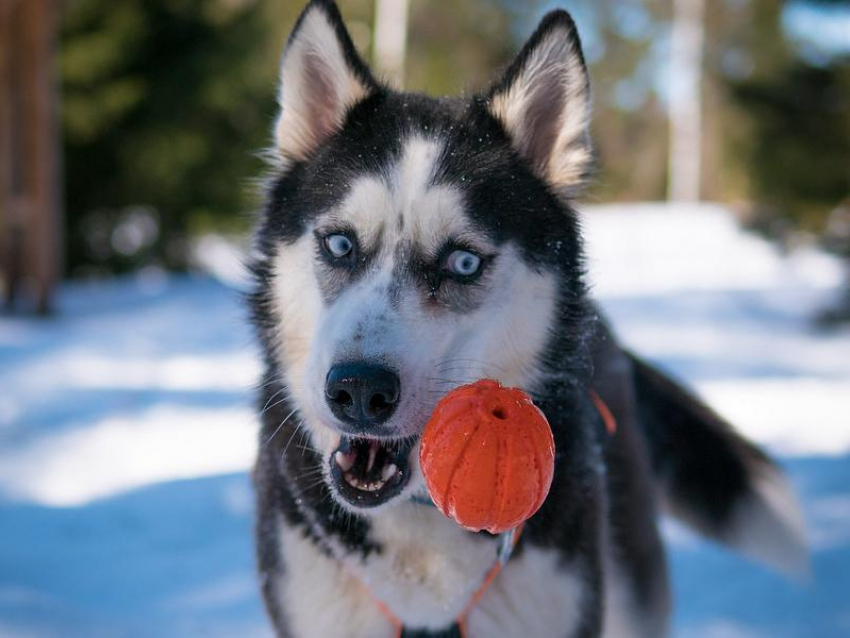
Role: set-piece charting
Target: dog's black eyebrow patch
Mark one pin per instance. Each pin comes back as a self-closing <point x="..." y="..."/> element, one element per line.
<point x="366" y="145"/>
<point x="503" y="194"/>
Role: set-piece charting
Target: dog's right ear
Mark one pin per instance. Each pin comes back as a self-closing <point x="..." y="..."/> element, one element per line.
<point x="321" y="78"/>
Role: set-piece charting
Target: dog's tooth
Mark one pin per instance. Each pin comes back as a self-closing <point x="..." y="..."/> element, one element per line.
<point x="345" y="461"/>
<point x="389" y="471"/>
<point x="373" y="452"/>
<point x="351" y="480"/>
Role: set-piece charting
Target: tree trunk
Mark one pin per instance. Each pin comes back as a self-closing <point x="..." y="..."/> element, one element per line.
<point x="686" y="52"/>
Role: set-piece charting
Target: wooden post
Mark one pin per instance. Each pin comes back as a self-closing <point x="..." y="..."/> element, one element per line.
<point x="9" y="275"/>
<point x="30" y="221"/>
<point x="685" y="149"/>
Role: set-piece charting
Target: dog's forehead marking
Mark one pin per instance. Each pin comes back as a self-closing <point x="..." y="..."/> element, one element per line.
<point x="415" y="170"/>
<point x="403" y="207"/>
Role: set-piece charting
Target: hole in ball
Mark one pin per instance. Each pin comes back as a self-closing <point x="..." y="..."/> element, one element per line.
<point x="499" y="413"/>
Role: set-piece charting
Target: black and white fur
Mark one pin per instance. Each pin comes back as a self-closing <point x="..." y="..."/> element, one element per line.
<point x="414" y="185"/>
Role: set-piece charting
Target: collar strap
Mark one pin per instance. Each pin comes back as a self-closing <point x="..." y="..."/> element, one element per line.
<point x="506" y="544"/>
<point x="607" y="418"/>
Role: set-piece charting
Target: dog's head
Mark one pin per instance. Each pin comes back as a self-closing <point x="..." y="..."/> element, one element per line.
<point x="410" y="245"/>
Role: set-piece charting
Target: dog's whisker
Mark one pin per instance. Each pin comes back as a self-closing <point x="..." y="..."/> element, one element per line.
<point x="295" y="432"/>
<point x="468" y="360"/>
<point x="274" y="405"/>
<point x="264" y="385"/>
<point x="274" y="434"/>
<point x="268" y="407"/>
<point x="304" y="448"/>
<point x="467" y="371"/>
<point x="301" y="443"/>
<point x="291" y="436"/>
<point x="452" y="374"/>
<point x="437" y="381"/>
<point x="267" y="384"/>
<point x="314" y="484"/>
<point x="310" y="472"/>
<point x="272" y="379"/>
<point x="445" y="385"/>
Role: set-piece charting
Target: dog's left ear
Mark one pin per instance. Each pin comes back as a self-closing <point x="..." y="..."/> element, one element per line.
<point x="321" y="78"/>
<point x="543" y="101"/>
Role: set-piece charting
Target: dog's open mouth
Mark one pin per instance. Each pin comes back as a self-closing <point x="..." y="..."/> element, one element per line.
<point x="369" y="472"/>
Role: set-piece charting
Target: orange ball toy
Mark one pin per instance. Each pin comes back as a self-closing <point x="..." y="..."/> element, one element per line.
<point x="488" y="456"/>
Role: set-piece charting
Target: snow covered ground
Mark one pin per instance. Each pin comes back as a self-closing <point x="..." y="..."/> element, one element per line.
<point x="126" y="430"/>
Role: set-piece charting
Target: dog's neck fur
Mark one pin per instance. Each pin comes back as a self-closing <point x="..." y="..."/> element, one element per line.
<point x="423" y="566"/>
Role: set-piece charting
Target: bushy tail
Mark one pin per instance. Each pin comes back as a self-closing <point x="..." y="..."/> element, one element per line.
<point x="715" y="480"/>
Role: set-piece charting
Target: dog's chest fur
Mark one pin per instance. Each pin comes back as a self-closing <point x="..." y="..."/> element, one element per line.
<point x="426" y="573"/>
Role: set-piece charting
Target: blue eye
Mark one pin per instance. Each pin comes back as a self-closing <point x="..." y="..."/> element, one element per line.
<point x="463" y="263"/>
<point x="338" y="246"/>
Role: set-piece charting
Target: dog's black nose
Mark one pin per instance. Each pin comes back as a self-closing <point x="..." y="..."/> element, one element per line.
<point x="362" y="394"/>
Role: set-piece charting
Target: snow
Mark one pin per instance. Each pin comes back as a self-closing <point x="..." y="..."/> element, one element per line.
<point x="127" y="428"/>
<point x="730" y="314"/>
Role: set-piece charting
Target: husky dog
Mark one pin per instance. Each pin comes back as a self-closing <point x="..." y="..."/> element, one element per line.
<point x="409" y="245"/>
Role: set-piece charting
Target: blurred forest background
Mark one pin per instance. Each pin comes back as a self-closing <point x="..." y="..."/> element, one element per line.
<point x="167" y="103"/>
